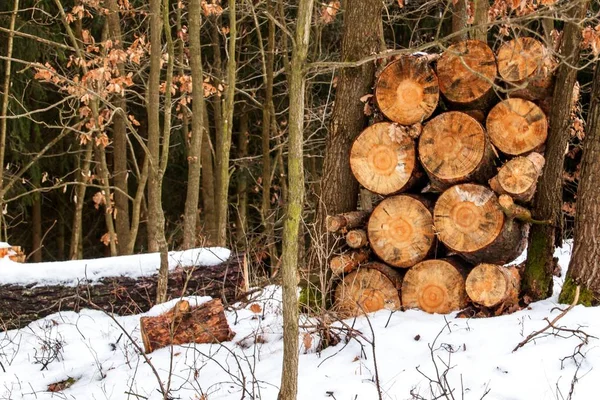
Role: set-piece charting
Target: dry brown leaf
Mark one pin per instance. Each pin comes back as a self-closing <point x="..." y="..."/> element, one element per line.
<point x="256" y="308"/>
<point x="307" y="341"/>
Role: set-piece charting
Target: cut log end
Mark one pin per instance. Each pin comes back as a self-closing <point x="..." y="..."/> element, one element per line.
<point x="356" y="238"/>
<point x="466" y="72"/>
<point x="349" y="220"/>
<point x="182" y="324"/>
<point x="401" y="230"/>
<point x="517" y="126"/>
<point x="492" y="285"/>
<point x="407" y="91"/>
<point x="383" y="159"/>
<point x="435" y="286"/>
<point x="373" y="287"/>
<point x="468" y="218"/>
<point x="453" y="148"/>
<point x="518" y="177"/>
<point x="345" y="263"/>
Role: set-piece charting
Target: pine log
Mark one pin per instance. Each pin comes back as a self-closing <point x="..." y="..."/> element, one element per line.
<point x="357" y="238"/>
<point x="518" y="177"/>
<point x="348" y="262"/>
<point x="493" y="285"/>
<point x="466" y="74"/>
<point x="468" y="219"/>
<point x="383" y="159"/>
<point x="182" y="324"/>
<point x="122" y="295"/>
<point x="435" y="286"/>
<point x="374" y="286"/>
<point x="527" y="67"/>
<point x="401" y="230"/>
<point x="349" y="220"/>
<point x="407" y="90"/>
<point x="454" y="148"/>
<point x="517" y="127"/>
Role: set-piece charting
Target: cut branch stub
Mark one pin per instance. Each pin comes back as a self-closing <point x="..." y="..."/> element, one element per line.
<point x="401" y="230"/>
<point x="383" y="159"/>
<point x="517" y="126"/>
<point x="466" y="73"/>
<point x="435" y="286"/>
<point x="407" y="90"/>
<point x="469" y="220"/>
<point x="527" y="66"/>
<point x="491" y="285"/>
<point x="349" y="220"/>
<point x="454" y="148"/>
<point x="518" y="177"/>
<point x="374" y="286"/>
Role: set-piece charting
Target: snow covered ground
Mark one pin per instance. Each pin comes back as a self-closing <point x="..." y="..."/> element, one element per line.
<point x="91" y="348"/>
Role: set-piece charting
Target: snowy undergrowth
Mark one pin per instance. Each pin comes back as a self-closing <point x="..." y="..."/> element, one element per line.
<point x="474" y="356"/>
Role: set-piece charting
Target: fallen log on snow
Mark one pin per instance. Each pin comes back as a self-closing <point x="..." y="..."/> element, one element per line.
<point x="182" y="324"/>
<point x="118" y="285"/>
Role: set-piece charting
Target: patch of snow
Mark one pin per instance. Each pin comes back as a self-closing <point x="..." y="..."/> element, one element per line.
<point x="70" y="273"/>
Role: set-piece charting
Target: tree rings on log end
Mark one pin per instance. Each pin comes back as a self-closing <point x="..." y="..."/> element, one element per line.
<point x="491" y="285"/>
<point x="517" y="126"/>
<point x="407" y="91"/>
<point x="466" y="72"/>
<point x="468" y="218"/>
<point x="435" y="286"/>
<point x="452" y="147"/>
<point x="383" y="159"/>
<point x="374" y="286"/>
<point x="400" y="231"/>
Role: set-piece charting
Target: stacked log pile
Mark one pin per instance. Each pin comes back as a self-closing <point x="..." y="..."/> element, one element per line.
<point x="455" y="155"/>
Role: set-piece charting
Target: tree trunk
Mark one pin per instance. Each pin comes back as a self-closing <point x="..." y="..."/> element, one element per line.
<point x="454" y="148"/>
<point x="241" y="228"/>
<point x="469" y="220"/>
<point x="583" y="267"/>
<point x="407" y="90"/>
<point x="373" y="287"/>
<point x="466" y="74"/>
<point x="120" y="171"/>
<point x="537" y="278"/>
<point x="209" y="219"/>
<point x="75" y="252"/>
<point x="518" y="177"/>
<point x="36" y="231"/>
<point x="20" y="305"/>
<point x="384" y="160"/>
<point x="517" y="127"/>
<point x="360" y="38"/>
<point x="205" y="323"/>
<point x="480" y="19"/>
<point x="435" y="286"/>
<point x="459" y="21"/>
<point x="494" y="285"/>
<point x="291" y="226"/>
<point x="190" y="215"/>
<point x="401" y="230"/>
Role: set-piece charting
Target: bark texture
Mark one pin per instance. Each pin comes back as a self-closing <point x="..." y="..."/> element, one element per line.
<point x="537" y="278"/>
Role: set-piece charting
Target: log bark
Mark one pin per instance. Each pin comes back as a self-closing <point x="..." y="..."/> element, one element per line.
<point x="383" y="159"/>
<point x="518" y="177"/>
<point x="407" y="90"/>
<point x="182" y="324"/>
<point x="401" y="230"/>
<point x="494" y="285"/>
<point x="517" y="127"/>
<point x="527" y="67"/>
<point x="466" y="74"/>
<point x="454" y="148"/>
<point x="349" y="220"/>
<point x="469" y="221"/>
<point x="357" y="238"/>
<point x="20" y="305"/>
<point x="435" y="286"/>
<point x="373" y="287"/>
<point x="348" y="262"/>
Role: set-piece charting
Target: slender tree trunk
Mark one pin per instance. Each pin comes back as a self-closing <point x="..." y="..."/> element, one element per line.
<point x="480" y="16"/>
<point x="85" y="161"/>
<point x="224" y="140"/>
<point x="198" y="130"/>
<point x="583" y="267"/>
<point x="120" y="139"/>
<point x="36" y="225"/>
<point x="209" y="220"/>
<point x="242" y="183"/>
<point x="5" y="98"/>
<point x="537" y="279"/>
<point x="339" y="188"/>
<point x="291" y="228"/>
<point x="459" y="20"/>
